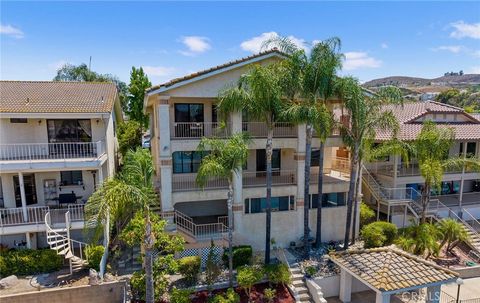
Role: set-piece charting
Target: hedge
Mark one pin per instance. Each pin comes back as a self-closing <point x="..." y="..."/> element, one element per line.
<point x="189" y="267"/>
<point x="29" y="261"/>
<point x="242" y="255"/>
<point x="94" y="254"/>
<point x="379" y="234"/>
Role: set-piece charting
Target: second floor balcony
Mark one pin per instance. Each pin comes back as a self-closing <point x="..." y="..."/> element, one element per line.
<point x="51" y="151"/>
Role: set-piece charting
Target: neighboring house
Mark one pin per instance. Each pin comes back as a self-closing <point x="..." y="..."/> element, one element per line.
<point x="394" y="183"/>
<point x="183" y="110"/>
<point x="57" y="143"/>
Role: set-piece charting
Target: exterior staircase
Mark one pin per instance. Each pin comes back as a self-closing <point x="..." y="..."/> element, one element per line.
<point x="299" y="285"/>
<point x="58" y="238"/>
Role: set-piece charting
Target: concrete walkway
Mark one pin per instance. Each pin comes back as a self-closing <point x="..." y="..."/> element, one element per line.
<point x="469" y="290"/>
<point x="363" y="297"/>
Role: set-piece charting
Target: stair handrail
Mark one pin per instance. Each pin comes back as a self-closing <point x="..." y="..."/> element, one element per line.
<point x="370" y="177"/>
<point x="476" y="222"/>
<point x="457" y="218"/>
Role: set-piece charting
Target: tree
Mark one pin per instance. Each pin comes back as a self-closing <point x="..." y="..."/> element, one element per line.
<point x="129" y="135"/>
<point x="452" y="233"/>
<point x="224" y="160"/>
<point x="308" y="81"/>
<point x="247" y="277"/>
<point x="212" y="269"/>
<point x="136" y="93"/>
<point x="367" y="116"/>
<point x="82" y="73"/>
<point x="117" y="199"/>
<point x="420" y="239"/>
<point x="259" y="95"/>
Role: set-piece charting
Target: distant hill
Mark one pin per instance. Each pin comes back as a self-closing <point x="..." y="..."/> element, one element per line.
<point x="404" y="81"/>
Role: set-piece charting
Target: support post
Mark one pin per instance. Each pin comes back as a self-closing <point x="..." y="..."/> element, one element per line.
<point x="382" y="298"/>
<point x="405" y="216"/>
<point x="29" y="242"/>
<point x="23" y="197"/>
<point x="462" y="181"/>
<point x="433" y="294"/>
<point x="345" y="286"/>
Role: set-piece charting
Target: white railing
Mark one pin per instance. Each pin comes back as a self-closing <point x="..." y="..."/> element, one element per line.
<point x="36" y="215"/>
<point x="470" y="224"/>
<point x="50" y="151"/>
<point x="280" y="130"/>
<point x="259" y="178"/>
<point x="187" y="130"/>
<point x="404" y="170"/>
<point x="199" y="231"/>
<point x="186" y="182"/>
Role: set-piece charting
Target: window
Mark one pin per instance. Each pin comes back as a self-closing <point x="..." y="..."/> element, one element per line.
<point x="214" y="113"/>
<point x="73" y="177"/>
<point x="471" y="149"/>
<point x="262" y="160"/>
<point x="18" y="120"/>
<point x="328" y="200"/>
<point x="315" y="160"/>
<point x="259" y="205"/>
<point x="188" y="112"/>
<point x="69" y="130"/>
<point x="187" y="162"/>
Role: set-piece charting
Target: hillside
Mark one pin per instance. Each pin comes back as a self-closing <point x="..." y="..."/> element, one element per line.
<point x="404" y="81"/>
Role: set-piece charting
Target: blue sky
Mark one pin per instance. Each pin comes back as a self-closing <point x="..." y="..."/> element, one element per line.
<point x="171" y="39"/>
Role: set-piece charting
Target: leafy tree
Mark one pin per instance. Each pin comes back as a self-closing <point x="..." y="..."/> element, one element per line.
<point x="229" y="297"/>
<point x="278" y="274"/>
<point x="224" y="160"/>
<point x="448" y="95"/>
<point x="129" y="135"/>
<point x="136" y="92"/>
<point x="212" y="268"/>
<point x="367" y="116"/>
<point x="366" y="214"/>
<point x="259" y="95"/>
<point x="247" y="277"/>
<point x="180" y="295"/>
<point x="420" y="239"/>
<point x="452" y="233"/>
<point x="308" y="81"/>
<point x="81" y="73"/>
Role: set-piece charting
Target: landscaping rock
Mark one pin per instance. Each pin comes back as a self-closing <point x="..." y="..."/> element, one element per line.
<point x="8" y="282"/>
<point x="93" y="277"/>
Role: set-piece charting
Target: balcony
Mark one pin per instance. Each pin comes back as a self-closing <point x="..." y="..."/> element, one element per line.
<point x="259" y="129"/>
<point x="197" y="130"/>
<point x="186" y="182"/>
<point x="51" y="151"/>
<point x="405" y="171"/>
<point x="35" y="215"/>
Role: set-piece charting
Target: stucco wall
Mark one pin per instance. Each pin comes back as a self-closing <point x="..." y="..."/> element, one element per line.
<point x="331" y="286"/>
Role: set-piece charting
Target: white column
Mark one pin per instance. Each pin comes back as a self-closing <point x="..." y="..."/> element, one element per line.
<point x="29" y="242"/>
<point x="22" y="196"/>
<point x="236" y="120"/>
<point x="462" y="181"/>
<point x="382" y="298"/>
<point x="345" y="286"/>
<point x="164" y="152"/>
<point x="433" y="294"/>
<point x="100" y="176"/>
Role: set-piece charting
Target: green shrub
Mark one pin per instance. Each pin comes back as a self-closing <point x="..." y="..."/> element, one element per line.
<point x="180" y="295"/>
<point x="242" y="255"/>
<point x="229" y="297"/>
<point x="29" y="261"/>
<point x="379" y="234"/>
<point x="269" y="294"/>
<point x="189" y="267"/>
<point x="94" y="255"/>
<point x="247" y="276"/>
<point x="366" y="214"/>
<point x="137" y="283"/>
<point x="278" y="273"/>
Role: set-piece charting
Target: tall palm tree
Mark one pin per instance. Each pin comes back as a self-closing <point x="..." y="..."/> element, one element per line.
<point x="258" y="94"/>
<point x="367" y="115"/>
<point x="116" y="201"/>
<point x="225" y="159"/>
<point x="452" y="233"/>
<point x="308" y="81"/>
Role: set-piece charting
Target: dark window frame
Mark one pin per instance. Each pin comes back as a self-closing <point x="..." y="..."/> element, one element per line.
<point x="18" y="120"/>
<point x="71" y="178"/>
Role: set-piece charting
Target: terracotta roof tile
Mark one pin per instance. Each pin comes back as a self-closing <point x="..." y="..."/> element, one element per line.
<point x="56" y="97"/>
<point x="389" y="268"/>
<point x="209" y="70"/>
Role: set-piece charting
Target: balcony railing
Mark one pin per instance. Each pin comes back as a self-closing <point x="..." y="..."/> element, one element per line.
<point x="51" y="151"/>
<point x="404" y="170"/>
<point x="193" y="130"/>
<point x="186" y="182"/>
<point x="259" y="129"/>
<point x="36" y="215"/>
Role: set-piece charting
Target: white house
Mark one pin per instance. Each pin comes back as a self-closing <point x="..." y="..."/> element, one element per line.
<point x="183" y="110"/>
<point x="57" y="143"/>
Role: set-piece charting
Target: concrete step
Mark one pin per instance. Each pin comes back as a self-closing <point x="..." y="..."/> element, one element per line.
<point x="301" y="290"/>
<point x="297" y="277"/>
<point x="298" y="283"/>
<point x="295" y="270"/>
<point x="305" y="298"/>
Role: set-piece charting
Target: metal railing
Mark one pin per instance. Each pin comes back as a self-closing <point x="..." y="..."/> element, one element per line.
<point x="199" y="231"/>
<point x="280" y="130"/>
<point x="259" y="178"/>
<point x="185" y="130"/>
<point x="404" y="170"/>
<point x="186" y="182"/>
<point x="50" y="151"/>
<point x="36" y="215"/>
<point x="441" y="208"/>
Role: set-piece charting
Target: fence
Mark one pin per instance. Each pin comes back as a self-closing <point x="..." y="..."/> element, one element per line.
<point x="187" y="130"/>
<point x="51" y="151"/>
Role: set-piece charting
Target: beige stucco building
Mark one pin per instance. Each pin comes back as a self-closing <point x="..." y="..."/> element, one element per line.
<point x="57" y="143"/>
<point x="183" y="110"/>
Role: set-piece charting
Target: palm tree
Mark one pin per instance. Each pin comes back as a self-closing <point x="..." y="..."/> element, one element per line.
<point x="420" y="239"/>
<point x="225" y="159"/>
<point x="259" y="95"/>
<point x="116" y="201"/>
<point x="452" y="233"/>
<point x="367" y="116"/>
<point x="308" y="81"/>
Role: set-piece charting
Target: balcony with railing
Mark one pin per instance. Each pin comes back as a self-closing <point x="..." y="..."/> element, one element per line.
<point x="51" y="151"/>
<point x="186" y="182"/>
<point x="280" y="130"/>
<point x="404" y="170"/>
<point x="197" y="130"/>
<point x="338" y="170"/>
<point x="35" y="215"/>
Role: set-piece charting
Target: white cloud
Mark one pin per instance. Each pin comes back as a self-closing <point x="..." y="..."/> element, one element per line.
<point x="474" y="70"/>
<point x="255" y="44"/>
<point x="158" y="71"/>
<point x="195" y="45"/>
<point x="465" y="30"/>
<point x="450" y="48"/>
<point x="57" y="65"/>
<point x="11" y="31"/>
<point x="384" y="45"/>
<point x="356" y="60"/>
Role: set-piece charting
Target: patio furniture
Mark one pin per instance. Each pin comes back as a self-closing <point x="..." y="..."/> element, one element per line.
<point x="70" y="198"/>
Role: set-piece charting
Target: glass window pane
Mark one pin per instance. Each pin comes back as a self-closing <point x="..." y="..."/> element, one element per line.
<point x="314" y="202"/>
<point x="276" y="159"/>
<point x="177" y="162"/>
<point x="181" y="113"/>
<point x="471" y="147"/>
<point x="315" y="157"/>
<point x="283" y="203"/>
<point x="256" y="206"/>
<point x="187" y="162"/>
<point x="247" y="206"/>
<point x="196" y="112"/>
